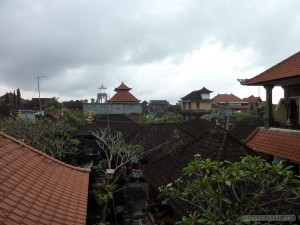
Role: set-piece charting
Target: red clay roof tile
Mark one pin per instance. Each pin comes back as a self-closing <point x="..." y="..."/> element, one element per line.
<point x="37" y="189"/>
<point x="277" y="142"/>
<point x="226" y="98"/>
<point x="123" y="95"/>
<point x="252" y="99"/>
<point x="123" y="87"/>
<point x="287" y="68"/>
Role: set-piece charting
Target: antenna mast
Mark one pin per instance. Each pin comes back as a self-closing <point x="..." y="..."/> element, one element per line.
<point x="40" y="105"/>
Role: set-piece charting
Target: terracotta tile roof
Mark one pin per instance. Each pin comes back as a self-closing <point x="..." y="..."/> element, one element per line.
<point x="277" y="142"/>
<point x="196" y="95"/>
<point x="226" y="98"/>
<point x="287" y="68"/>
<point x="166" y="166"/>
<point x="123" y="95"/>
<point x="122" y="87"/>
<point x="252" y="99"/>
<point x="157" y="134"/>
<point x="37" y="189"/>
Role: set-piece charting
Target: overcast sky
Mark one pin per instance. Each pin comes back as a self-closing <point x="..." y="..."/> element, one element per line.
<point x="161" y="49"/>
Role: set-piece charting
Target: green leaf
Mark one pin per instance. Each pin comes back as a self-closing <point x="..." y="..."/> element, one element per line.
<point x="228" y="182"/>
<point x="227" y="200"/>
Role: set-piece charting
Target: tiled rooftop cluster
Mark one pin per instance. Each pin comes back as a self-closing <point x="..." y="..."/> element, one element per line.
<point x="217" y="145"/>
<point x="37" y="189"/>
<point x="154" y="135"/>
<point x="199" y="126"/>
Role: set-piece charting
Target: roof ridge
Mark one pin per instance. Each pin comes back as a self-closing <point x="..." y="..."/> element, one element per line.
<point x="282" y="61"/>
<point x="41" y="153"/>
<point x="273" y="67"/>
<point x="252" y="134"/>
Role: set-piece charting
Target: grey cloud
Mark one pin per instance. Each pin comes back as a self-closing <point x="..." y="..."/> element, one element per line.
<point x="81" y="44"/>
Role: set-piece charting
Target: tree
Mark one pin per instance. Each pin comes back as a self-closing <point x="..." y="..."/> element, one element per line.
<point x="6" y="99"/>
<point x="14" y="99"/>
<point x="52" y="105"/>
<point x="116" y="154"/>
<point x="223" y="192"/>
<point x="167" y="118"/>
<point x="51" y="137"/>
<point x="18" y="101"/>
<point x="242" y="115"/>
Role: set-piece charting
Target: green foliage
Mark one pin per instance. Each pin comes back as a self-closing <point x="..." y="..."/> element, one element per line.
<point x="117" y="153"/>
<point x="55" y="138"/>
<point x="52" y="105"/>
<point x="103" y="193"/>
<point x="6" y="99"/>
<point x="222" y="192"/>
<point x="168" y="118"/>
<point x="18" y="100"/>
<point x="242" y="115"/>
<point x="72" y="118"/>
<point x="15" y="99"/>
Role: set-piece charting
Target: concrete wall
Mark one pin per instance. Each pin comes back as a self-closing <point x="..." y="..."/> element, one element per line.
<point x="113" y="108"/>
<point x="203" y="105"/>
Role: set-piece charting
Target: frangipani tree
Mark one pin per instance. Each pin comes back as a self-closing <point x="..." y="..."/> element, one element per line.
<point x="226" y="192"/>
<point x="116" y="154"/>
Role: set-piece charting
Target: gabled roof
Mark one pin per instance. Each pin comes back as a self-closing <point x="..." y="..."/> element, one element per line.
<point x="38" y="189"/>
<point x="226" y="98"/>
<point x="115" y="122"/>
<point x="216" y="145"/>
<point x="123" y="95"/>
<point x="277" y="142"/>
<point x="241" y="132"/>
<point x="252" y="99"/>
<point x="157" y="134"/>
<point x="205" y="90"/>
<point x="196" y="95"/>
<point x="199" y="126"/>
<point x="122" y="87"/>
<point x="286" y="69"/>
<point x="242" y="129"/>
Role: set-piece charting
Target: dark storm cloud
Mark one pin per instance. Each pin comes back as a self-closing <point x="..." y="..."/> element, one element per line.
<point x="80" y="44"/>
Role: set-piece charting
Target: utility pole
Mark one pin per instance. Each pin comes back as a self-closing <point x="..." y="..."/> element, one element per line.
<point x="40" y="105"/>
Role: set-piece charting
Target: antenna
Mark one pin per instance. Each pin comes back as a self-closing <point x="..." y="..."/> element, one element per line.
<point x="38" y="78"/>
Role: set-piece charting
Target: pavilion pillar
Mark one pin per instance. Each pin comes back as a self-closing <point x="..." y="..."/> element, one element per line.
<point x="269" y="119"/>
